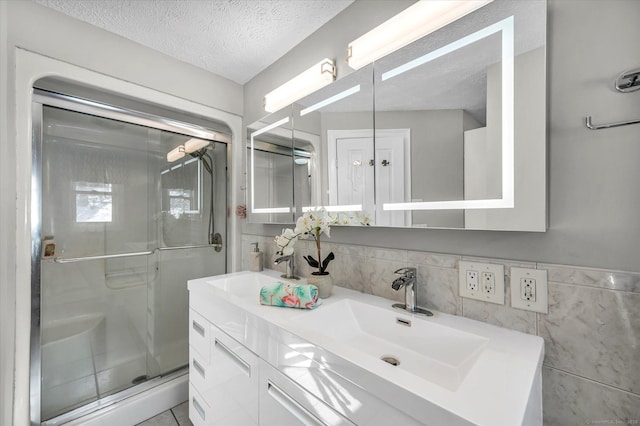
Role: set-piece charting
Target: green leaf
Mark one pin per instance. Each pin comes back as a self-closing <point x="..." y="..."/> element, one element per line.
<point x="326" y="261"/>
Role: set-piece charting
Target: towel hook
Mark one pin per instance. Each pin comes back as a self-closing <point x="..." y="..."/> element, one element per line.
<point x="628" y="81"/>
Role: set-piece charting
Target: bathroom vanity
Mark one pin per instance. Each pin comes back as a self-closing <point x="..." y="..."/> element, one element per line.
<point x="352" y="360"/>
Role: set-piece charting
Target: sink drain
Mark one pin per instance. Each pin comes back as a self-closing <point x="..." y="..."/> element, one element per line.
<point x="390" y="360"/>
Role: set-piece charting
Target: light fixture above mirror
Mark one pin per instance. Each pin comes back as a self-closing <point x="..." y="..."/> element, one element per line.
<point x="315" y="78"/>
<point x="418" y="20"/>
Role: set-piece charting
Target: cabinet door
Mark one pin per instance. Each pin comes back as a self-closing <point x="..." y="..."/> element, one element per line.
<point x="284" y="403"/>
<point x="199" y="335"/>
<point x="228" y="384"/>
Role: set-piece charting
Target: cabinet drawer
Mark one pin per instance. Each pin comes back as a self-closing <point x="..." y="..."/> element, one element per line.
<point x="199" y="335"/>
<point x="199" y="411"/>
<point x="285" y="403"/>
<point x="228" y="384"/>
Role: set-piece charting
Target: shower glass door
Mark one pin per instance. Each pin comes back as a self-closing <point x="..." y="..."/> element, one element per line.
<point x="123" y="230"/>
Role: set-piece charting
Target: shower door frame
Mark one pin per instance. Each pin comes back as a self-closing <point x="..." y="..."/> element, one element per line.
<point x="40" y="99"/>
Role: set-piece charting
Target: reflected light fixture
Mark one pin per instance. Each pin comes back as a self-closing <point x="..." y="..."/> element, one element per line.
<point x="192" y="145"/>
<point x="195" y="144"/>
<point x="334" y="209"/>
<point x="418" y="20"/>
<point x="330" y="100"/>
<point x="176" y="154"/>
<point x="316" y="77"/>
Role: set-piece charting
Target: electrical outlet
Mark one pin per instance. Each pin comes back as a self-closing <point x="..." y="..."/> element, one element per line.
<point x="488" y="283"/>
<point x="529" y="289"/>
<point x="481" y="281"/>
<point x="472" y="280"/>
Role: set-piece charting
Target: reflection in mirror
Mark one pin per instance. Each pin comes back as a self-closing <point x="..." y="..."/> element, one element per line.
<point x="271" y="169"/>
<point x="339" y="119"/>
<point x="451" y="94"/>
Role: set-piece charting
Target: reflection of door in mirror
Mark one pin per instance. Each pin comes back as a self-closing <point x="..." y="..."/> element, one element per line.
<point x="354" y="172"/>
<point x="393" y="175"/>
<point x="354" y="166"/>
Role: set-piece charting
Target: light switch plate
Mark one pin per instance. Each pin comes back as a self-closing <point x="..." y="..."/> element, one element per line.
<point x="529" y="289"/>
<point x="486" y="281"/>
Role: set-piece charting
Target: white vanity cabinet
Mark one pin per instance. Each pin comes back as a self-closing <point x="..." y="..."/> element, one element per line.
<point x="223" y="377"/>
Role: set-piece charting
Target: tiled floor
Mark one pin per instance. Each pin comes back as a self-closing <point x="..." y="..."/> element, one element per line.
<point x="177" y="416"/>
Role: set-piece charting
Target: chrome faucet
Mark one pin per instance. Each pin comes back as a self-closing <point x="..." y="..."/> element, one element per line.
<point x="407" y="279"/>
<point x="289" y="274"/>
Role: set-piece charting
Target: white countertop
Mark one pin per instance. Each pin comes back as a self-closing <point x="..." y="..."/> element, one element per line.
<point x="500" y="388"/>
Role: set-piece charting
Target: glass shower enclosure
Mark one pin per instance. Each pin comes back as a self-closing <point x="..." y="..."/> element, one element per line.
<point x="121" y="229"/>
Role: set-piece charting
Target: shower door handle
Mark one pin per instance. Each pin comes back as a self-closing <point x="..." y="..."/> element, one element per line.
<point x="134" y="254"/>
<point x="102" y="256"/>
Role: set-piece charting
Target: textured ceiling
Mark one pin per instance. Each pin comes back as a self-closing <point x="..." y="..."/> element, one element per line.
<point x="236" y="39"/>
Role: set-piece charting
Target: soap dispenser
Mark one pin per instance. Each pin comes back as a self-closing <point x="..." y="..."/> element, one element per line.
<point x="255" y="259"/>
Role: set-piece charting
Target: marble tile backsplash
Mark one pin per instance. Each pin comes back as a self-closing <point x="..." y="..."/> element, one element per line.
<point x="591" y="371"/>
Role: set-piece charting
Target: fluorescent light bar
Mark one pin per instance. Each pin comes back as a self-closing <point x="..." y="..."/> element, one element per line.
<point x="195" y="144"/>
<point x="176" y="154"/>
<point x="267" y="128"/>
<point x="316" y="77"/>
<point x="330" y="100"/>
<point x="418" y="20"/>
<point x="343" y="208"/>
<point x="451" y="205"/>
<point x="273" y="210"/>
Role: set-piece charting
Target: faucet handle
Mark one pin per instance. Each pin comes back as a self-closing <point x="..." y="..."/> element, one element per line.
<point x="408" y="272"/>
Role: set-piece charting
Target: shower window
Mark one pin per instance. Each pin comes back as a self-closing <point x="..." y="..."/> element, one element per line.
<point x="94" y="202"/>
<point x="181" y="187"/>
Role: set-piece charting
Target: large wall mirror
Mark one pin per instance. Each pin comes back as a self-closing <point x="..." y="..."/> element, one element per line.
<point x="457" y="137"/>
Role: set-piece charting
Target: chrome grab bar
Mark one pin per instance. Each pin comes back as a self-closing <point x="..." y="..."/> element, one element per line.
<point x="188" y="247"/>
<point x="103" y="256"/>
<point x="587" y="122"/>
<point x="134" y="254"/>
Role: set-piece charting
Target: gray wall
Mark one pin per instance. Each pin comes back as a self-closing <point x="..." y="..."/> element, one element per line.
<point x="593" y="175"/>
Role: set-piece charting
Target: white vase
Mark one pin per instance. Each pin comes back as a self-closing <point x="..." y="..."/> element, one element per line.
<point x="324" y="284"/>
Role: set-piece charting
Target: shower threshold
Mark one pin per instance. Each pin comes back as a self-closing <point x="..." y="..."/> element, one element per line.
<point x="89" y="409"/>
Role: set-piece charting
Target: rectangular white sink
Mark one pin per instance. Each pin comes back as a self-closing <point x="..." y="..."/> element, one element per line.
<point x="434" y="352"/>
